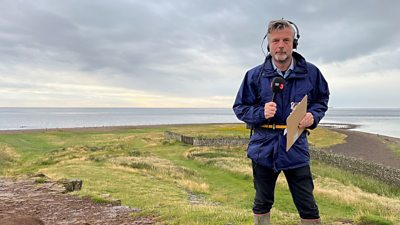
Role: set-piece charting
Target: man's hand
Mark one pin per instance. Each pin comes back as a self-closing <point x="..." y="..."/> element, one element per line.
<point x="269" y="110"/>
<point x="307" y="120"/>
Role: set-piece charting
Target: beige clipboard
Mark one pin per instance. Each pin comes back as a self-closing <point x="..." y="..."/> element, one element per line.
<point x="293" y="121"/>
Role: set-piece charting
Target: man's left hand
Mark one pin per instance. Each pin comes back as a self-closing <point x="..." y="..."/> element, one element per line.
<point x="307" y="120"/>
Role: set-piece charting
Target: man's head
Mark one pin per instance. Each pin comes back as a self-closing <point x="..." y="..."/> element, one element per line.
<point x="280" y="35"/>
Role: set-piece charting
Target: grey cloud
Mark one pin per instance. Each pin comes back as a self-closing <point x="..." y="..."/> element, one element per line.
<point x="130" y="43"/>
<point x="335" y="31"/>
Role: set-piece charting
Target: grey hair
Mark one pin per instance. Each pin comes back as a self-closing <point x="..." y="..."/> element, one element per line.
<point x="275" y="25"/>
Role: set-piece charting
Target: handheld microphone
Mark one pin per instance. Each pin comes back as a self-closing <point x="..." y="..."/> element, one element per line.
<point x="277" y="85"/>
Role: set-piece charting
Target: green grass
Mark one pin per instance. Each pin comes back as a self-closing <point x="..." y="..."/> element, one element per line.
<point x="182" y="184"/>
<point x="323" y="138"/>
<point x="395" y="148"/>
<point x="372" y="220"/>
<point x="392" y="144"/>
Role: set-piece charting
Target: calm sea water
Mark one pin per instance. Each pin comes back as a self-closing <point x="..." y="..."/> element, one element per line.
<point x="377" y="121"/>
<point x="371" y="120"/>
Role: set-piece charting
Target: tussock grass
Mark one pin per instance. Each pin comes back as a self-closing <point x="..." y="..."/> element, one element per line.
<point x="230" y="159"/>
<point x="351" y="195"/>
<point x="165" y="170"/>
<point x="8" y="156"/>
<point x="371" y="220"/>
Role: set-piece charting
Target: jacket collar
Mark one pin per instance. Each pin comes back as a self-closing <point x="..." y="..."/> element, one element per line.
<point x="299" y="71"/>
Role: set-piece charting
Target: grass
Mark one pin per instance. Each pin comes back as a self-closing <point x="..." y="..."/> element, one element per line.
<point x="392" y="144"/>
<point x="7" y="157"/>
<point x="372" y="220"/>
<point x="323" y="138"/>
<point x="214" y="131"/>
<point x="395" y="148"/>
<point x="182" y="184"/>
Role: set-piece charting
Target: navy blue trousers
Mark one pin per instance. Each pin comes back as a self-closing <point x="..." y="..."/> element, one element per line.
<point x="300" y="184"/>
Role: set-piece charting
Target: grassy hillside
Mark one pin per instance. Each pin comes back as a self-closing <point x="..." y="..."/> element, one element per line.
<point x="182" y="184"/>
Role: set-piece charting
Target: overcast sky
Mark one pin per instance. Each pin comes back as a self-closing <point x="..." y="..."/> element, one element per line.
<point x="181" y="53"/>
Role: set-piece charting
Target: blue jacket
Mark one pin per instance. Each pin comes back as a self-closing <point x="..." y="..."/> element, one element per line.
<point x="267" y="147"/>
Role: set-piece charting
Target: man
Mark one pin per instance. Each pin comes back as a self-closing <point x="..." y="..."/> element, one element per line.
<point x="267" y="147"/>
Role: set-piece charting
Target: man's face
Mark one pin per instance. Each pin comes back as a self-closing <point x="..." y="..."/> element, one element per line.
<point x="281" y="45"/>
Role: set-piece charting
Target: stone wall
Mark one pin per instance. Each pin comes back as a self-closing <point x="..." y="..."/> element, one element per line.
<point x="220" y="141"/>
<point x="179" y="137"/>
<point x="206" y="141"/>
<point x="386" y="174"/>
<point x="172" y="136"/>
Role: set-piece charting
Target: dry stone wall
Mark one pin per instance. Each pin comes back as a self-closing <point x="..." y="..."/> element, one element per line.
<point x="384" y="173"/>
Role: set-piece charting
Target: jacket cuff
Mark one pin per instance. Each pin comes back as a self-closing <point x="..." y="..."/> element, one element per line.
<point x="316" y="122"/>
<point x="261" y="115"/>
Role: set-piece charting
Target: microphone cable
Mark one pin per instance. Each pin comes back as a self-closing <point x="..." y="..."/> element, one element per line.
<point x="262" y="45"/>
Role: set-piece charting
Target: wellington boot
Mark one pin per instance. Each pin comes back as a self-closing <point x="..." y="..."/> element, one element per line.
<point x="311" y="222"/>
<point x="261" y="219"/>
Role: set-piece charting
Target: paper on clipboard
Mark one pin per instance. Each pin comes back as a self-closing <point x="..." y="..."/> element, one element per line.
<point x="293" y="121"/>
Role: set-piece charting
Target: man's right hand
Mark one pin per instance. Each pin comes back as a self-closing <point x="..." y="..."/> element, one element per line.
<point x="269" y="110"/>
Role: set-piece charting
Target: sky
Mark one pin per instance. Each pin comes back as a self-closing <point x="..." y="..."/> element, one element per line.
<point x="180" y="53"/>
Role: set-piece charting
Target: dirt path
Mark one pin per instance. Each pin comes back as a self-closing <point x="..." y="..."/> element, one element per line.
<point x="369" y="147"/>
<point x="47" y="202"/>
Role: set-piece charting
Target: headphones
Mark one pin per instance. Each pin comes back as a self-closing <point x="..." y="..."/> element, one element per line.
<point x="296" y="35"/>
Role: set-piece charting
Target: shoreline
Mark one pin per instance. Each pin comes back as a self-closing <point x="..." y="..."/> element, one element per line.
<point x="332" y="126"/>
<point x="344" y="126"/>
<point x="102" y="128"/>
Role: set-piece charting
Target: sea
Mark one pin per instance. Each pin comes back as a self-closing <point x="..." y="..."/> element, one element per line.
<point x="383" y="121"/>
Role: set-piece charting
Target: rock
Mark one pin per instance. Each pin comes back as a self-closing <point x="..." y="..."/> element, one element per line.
<point x="109" y="200"/>
<point x="115" y="202"/>
<point x="40" y="174"/>
<point x="71" y="184"/>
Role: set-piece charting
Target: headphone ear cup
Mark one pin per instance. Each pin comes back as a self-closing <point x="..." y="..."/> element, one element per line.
<point x="268" y="48"/>
<point x="297" y="34"/>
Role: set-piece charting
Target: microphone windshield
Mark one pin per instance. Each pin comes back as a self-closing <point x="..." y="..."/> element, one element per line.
<point x="277" y="84"/>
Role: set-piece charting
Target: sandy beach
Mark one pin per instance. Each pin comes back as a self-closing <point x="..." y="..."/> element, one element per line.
<point x="368" y="147"/>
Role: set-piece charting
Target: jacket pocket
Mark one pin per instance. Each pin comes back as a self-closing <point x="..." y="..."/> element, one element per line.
<point x="260" y="145"/>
